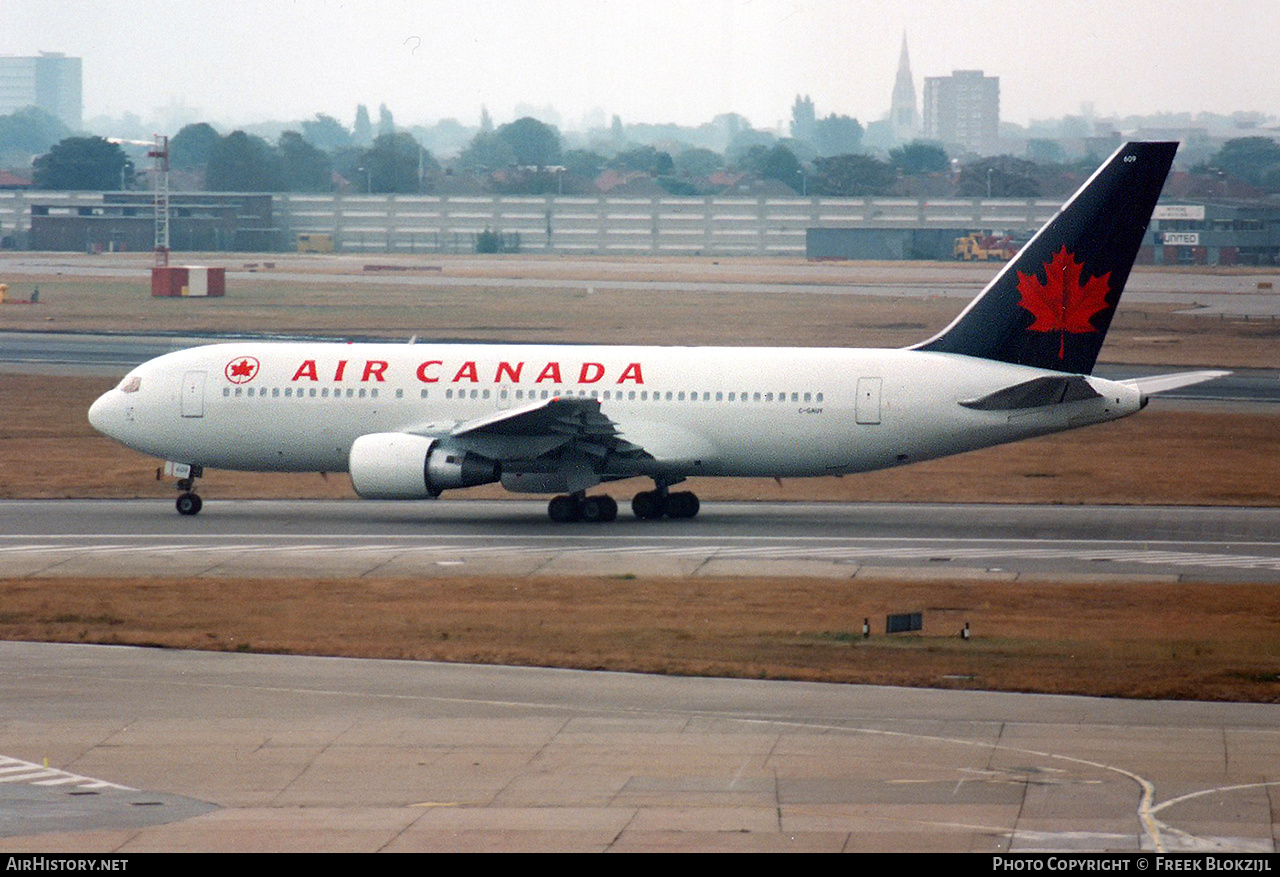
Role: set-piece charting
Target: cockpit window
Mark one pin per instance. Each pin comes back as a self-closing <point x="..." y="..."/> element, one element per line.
<point x="130" y="384"/>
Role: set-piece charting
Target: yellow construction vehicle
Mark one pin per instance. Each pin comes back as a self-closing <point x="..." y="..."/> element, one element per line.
<point x="985" y="246"/>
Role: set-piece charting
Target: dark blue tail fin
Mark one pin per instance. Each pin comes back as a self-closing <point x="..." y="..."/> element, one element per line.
<point x="1051" y="306"/>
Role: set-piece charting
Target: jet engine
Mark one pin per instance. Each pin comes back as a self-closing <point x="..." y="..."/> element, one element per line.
<point x="396" y="465"/>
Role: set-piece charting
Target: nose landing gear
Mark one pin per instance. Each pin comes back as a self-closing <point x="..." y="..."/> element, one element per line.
<point x="189" y="502"/>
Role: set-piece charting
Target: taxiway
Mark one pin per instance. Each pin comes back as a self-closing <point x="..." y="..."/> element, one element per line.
<point x="216" y="751"/>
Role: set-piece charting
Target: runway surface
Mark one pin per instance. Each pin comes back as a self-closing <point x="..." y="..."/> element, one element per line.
<point x="215" y="751"/>
<point x="449" y="538"/>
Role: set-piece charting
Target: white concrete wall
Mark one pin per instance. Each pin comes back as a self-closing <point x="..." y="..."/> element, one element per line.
<point x="716" y="226"/>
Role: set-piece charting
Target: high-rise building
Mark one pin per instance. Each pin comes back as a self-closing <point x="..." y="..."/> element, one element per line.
<point x="963" y="110"/>
<point x="902" y="112"/>
<point x="50" y="81"/>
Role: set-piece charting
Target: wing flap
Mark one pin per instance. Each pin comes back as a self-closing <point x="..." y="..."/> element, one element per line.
<point x="545" y="427"/>
<point x="536" y="418"/>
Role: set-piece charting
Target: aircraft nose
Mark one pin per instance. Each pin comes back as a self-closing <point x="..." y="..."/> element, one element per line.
<point x="105" y="414"/>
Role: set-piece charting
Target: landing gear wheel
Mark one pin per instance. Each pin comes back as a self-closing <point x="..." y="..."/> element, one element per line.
<point x="188" y="501"/>
<point x="683" y="504"/>
<point x="599" y="509"/>
<point x="189" y="504"/>
<point x="648" y="505"/>
<point x="564" y="510"/>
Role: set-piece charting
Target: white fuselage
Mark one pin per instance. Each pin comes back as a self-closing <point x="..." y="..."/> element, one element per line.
<point x="267" y="406"/>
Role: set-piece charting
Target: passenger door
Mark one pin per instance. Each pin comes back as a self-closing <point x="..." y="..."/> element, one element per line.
<point x="868" y="405"/>
<point x="193" y="394"/>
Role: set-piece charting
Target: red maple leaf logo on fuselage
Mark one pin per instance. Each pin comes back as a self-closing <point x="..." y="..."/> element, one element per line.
<point x="242" y="370"/>
<point x="1062" y="303"/>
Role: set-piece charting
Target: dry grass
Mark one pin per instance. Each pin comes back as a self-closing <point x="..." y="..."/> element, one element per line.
<point x="1217" y="642"/>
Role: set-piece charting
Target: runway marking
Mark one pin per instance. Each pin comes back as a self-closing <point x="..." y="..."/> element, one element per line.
<point x="14" y="770"/>
<point x="1152" y="827"/>
<point x="937" y="553"/>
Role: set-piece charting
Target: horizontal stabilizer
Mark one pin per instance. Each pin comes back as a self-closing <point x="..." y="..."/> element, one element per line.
<point x="1164" y="383"/>
<point x="1036" y="393"/>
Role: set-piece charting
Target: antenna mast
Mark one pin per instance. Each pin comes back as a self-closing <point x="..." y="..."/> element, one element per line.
<point x="160" y="152"/>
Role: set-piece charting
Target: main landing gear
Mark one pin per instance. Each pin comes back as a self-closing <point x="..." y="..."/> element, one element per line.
<point x="649" y="505"/>
<point x="189" y="502"/>
<point x="580" y="507"/>
<point x="646" y="505"/>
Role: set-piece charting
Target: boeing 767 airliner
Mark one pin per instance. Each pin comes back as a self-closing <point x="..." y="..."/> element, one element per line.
<point x="409" y="421"/>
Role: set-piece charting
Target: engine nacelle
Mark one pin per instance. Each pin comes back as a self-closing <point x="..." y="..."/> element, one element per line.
<point x="396" y="465"/>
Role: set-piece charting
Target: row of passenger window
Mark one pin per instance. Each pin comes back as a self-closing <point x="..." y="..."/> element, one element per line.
<point x="655" y="396"/>
<point x="305" y="392"/>
<point x="530" y="395"/>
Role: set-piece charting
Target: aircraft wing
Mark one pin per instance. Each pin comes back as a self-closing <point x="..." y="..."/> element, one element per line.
<point x="1163" y="383"/>
<point x="541" y="428"/>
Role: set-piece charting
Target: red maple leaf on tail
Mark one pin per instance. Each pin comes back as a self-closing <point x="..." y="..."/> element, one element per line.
<point x="1062" y="303"/>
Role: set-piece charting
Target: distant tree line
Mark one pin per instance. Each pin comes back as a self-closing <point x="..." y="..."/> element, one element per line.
<point x="824" y="156"/>
<point x="27" y="132"/>
<point x="90" y="163"/>
<point x="239" y="162"/>
<point x="1254" y="160"/>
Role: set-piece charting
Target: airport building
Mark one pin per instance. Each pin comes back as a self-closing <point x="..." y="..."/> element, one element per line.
<point x="49" y="81"/>
<point x="126" y="222"/>
<point x="1184" y="233"/>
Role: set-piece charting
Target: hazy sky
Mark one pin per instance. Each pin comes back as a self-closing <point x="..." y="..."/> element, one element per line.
<point x="241" y="61"/>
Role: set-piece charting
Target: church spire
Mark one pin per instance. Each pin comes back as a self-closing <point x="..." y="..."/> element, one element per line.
<point x="902" y="112"/>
